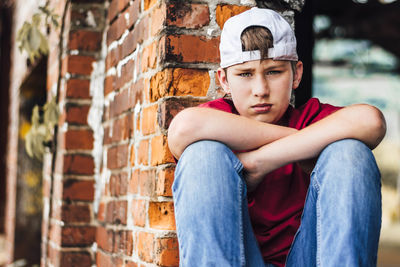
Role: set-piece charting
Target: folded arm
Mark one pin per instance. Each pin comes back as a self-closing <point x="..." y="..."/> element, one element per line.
<point x="362" y="122"/>
<point x="237" y="132"/>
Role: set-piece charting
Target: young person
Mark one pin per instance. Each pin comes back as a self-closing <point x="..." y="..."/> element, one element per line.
<point x="244" y="192"/>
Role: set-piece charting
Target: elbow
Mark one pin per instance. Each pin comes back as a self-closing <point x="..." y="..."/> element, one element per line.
<point x="180" y="131"/>
<point x="375" y="124"/>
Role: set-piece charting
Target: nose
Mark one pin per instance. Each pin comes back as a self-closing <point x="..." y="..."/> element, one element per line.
<point x="260" y="86"/>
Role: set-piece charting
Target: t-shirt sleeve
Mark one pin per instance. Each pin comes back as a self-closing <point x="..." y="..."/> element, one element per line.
<point x="310" y="113"/>
<point x="220" y="104"/>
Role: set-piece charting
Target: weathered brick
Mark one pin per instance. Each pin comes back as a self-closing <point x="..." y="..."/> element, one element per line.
<point x="101" y="213"/>
<point x="164" y="182"/>
<point x="79" y="139"/>
<point x="171" y="106"/>
<point x="179" y="82"/>
<point x="120" y="104"/>
<point x="192" y="49"/>
<point x="115" y="7"/>
<point x="122" y="128"/>
<point x="78" y="164"/>
<point x="134" y="182"/>
<point x="149" y="57"/>
<point x="224" y="12"/>
<point x="119" y="184"/>
<point x="149" y="119"/>
<point x="149" y="3"/>
<point x="106" y="260"/>
<point x="78" y="190"/>
<point x="136" y="93"/>
<point x="117" y="212"/>
<point x="80" y="64"/>
<point x="77" y="115"/>
<point x="84" y="40"/>
<point x="126" y="73"/>
<point x="160" y="153"/>
<point x="116" y="29"/>
<point x="186" y="15"/>
<point x="109" y="84"/>
<point x="158" y="16"/>
<point x="145" y="246"/>
<point x="139" y="212"/>
<point x="143" y="152"/>
<point x="161" y="215"/>
<point x="105" y="238"/>
<point x="78" y="88"/>
<point x="113" y="57"/>
<point x="131" y="264"/>
<point x="147" y="182"/>
<point x="132" y="156"/>
<point x="167" y="251"/>
<point x="79" y="16"/>
<point x="74" y="213"/>
<point x="117" y="156"/>
<point x="78" y="235"/>
<point x="70" y="259"/>
<point x="123" y="242"/>
<point x="55" y="233"/>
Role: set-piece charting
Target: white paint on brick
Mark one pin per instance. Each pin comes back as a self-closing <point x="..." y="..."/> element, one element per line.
<point x="90" y="20"/>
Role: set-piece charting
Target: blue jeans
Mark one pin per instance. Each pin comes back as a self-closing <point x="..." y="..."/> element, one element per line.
<point x="340" y="225"/>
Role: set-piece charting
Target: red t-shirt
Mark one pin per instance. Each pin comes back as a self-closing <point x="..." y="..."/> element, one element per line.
<point x="275" y="207"/>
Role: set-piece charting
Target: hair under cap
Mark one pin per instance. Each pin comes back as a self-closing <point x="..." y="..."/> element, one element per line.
<point x="284" y="40"/>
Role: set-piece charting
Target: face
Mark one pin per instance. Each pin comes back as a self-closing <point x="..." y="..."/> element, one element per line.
<point x="261" y="90"/>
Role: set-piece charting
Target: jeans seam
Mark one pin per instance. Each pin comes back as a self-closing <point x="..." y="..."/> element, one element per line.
<point x="316" y="185"/>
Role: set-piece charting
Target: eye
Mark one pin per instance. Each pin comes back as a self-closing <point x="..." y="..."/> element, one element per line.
<point x="245" y="74"/>
<point x="273" y="72"/>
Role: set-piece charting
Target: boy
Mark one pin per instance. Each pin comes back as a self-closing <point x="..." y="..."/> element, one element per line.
<point x="244" y="192"/>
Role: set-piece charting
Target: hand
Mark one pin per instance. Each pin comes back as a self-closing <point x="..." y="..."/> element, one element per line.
<point x="252" y="172"/>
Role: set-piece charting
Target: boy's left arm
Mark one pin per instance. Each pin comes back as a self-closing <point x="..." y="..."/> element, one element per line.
<point x="362" y="122"/>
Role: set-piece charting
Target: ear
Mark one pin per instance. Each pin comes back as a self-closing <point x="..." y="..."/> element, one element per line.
<point x="297" y="75"/>
<point x="223" y="80"/>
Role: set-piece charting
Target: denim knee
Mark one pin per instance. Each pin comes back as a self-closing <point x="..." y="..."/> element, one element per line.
<point x="349" y="161"/>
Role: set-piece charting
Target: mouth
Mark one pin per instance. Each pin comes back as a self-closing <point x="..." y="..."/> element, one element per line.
<point x="262" y="108"/>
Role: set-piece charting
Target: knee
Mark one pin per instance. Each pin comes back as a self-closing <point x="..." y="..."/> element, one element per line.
<point x="349" y="161"/>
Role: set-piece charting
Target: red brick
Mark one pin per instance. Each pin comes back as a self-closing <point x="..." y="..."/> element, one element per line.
<point x="109" y="84"/>
<point x="116" y="29"/>
<point x="134" y="182"/>
<point x="78" y="190"/>
<point x="77" y="88"/>
<point x="136" y="93"/>
<point x="101" y="213"/>
<point x="53" y="254"/>
<point x="78" y="235"/>
<point x="149" y="119"/>
<point x="79" y="139"/>
<point x="77" y="115"/>
<point x="131" y="264"/>
<point x="115" y="7"/>
<point x="126" y="73"/>
<point x="120" y="104"/>
<point x="55" y="233"/>
<point x="143" y="152"/>
<point x="179" y="82"/>
<point x="165" y="181"/>
<point x="147" y="182"/>
<point x="80" y="64"/>
<point x="167" y="251"/>
<point x="145" y="246"/>
<point x="186" y="15"/>
<point x="162" y="215"/>
<point x="117" y="212"/>
<point x="78" y="164"/>
<point x="122" y="128"/>
<point x="123" y="242"/>
<point x="106" y="260"/>
<point x="105" y="238"/>
<point x="192" y="49"/>
<point x="74" y="213"/>
<point x="117" y="156"/>
<point x="224" y="12"/>
<point x="160" y="153"/>
<point x="82" y="259"/>
<point x="84" y="40"/>
<point x="139" y="212"/>
<point x="119" y="184"/>
<point x="132" y="155"/>
<point x="79" y="15"/>
<point x="149" y="3"/>
<point x="158" y="16"/>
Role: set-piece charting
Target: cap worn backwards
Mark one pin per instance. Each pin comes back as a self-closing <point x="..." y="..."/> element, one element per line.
<point x="284" y="40"/>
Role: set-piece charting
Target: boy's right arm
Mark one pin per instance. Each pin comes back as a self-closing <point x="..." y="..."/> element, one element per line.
<point x="237" y="132"/>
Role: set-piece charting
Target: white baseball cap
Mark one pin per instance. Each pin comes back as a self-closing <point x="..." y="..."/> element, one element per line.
<point x="284" y="40"/>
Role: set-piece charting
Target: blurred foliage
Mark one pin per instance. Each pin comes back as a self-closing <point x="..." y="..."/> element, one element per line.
<point x="30" y="37"/>
<point x="40" y="134"/>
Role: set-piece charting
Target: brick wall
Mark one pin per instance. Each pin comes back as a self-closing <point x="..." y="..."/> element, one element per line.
<point x="128" y="67"/>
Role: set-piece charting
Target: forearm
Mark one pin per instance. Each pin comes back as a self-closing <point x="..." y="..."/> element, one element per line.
<point x="359" y="122"/>
<point x="237" y="132"/>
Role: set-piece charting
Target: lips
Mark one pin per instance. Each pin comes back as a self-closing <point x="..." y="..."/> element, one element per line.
<point x="262" y="108"/>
